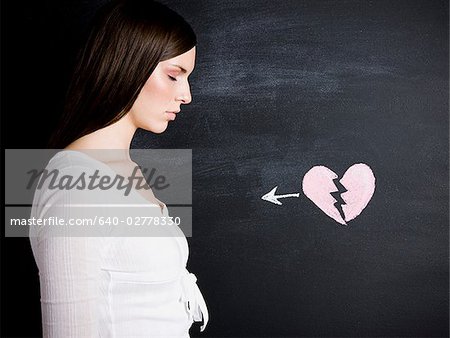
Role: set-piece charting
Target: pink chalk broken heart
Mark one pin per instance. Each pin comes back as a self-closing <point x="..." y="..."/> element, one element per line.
<point x="358" y="180"/>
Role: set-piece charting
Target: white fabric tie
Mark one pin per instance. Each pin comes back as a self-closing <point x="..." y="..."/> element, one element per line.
<point x="193" y="298"/>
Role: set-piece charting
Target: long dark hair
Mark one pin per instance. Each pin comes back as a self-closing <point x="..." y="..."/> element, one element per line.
<point x="127" y="40"/>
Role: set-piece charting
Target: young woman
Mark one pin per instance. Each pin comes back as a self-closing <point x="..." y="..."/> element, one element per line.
<point x="132" y="73"/>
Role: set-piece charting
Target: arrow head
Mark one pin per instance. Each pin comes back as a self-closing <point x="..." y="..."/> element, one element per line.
<point x="270" y="196"/>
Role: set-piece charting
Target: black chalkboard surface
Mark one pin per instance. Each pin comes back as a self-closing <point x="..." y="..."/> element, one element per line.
<point x="281" y="87"/>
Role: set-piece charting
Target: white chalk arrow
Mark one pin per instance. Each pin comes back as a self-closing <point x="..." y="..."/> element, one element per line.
<point x="271" y="197"/>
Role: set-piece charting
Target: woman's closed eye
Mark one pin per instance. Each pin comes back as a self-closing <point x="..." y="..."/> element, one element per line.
<point x="172" y="78"/>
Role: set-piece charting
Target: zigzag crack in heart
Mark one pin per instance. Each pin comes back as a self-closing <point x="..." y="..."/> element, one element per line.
<point x="338" y="198"/>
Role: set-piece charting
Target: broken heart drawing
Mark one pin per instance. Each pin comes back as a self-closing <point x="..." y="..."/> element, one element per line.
<point x="342" y="200"/>
<point x="358" y="184"/>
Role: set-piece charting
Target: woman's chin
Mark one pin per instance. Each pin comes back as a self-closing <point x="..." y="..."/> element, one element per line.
<point x="156" y="129"/>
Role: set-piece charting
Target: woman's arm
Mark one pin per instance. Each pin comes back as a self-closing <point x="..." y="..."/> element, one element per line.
<point x="69" y="269"/>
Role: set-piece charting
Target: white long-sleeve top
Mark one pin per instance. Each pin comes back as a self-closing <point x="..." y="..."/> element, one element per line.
<point x="110" y="286"/>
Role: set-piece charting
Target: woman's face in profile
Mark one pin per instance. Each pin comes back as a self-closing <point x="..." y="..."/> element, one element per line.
<point x="164" y="93"/>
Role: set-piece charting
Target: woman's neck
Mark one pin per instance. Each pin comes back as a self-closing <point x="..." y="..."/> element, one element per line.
<point x="109" y="144"/>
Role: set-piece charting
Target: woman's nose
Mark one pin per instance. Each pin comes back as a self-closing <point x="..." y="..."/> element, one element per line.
<point x="186" y="96"/>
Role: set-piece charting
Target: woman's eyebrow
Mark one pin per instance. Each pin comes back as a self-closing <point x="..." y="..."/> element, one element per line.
<point x="182" y="69"/>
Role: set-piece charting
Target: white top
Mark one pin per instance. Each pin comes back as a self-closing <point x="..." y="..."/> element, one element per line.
<point x="110" y="286"/>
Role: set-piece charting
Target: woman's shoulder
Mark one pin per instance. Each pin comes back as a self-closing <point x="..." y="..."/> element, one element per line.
<point x="75" y="174"/>
<point x="66" y="159"/>
<point x="77" y="183"/>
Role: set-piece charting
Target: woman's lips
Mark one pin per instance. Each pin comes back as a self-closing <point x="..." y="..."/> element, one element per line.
<point x="171" y="115"/>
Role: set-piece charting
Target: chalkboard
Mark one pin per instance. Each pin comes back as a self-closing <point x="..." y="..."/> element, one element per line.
<point x="283" y="87"/>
